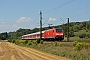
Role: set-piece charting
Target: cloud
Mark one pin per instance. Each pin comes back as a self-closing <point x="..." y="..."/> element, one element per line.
<point x="14" y="26"/>
<point x="51" y="19"/>
<point x="23" y="19"/>
<point x="7" y="28"/>
<point x="2" y="22"/>
<point x="2" y="25"/>
<point x="1" y="19"/>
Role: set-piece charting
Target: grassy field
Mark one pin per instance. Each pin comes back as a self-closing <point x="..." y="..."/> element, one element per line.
<point x="63" y="49"/>
<point x="76" y="37"/>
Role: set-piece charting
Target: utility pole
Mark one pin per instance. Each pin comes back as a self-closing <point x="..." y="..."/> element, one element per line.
<point x="40" y="25"/>
<point x="68" y="30"/>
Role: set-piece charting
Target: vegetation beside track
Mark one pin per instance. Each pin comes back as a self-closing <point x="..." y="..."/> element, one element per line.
<point x="73" y="50"/>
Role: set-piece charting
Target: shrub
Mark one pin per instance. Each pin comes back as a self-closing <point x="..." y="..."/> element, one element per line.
<point x="13" y="41"/>
<point x="78" y="47"/>
<point x="85" y="45"/>
<point x="82" y="35"/>
<point x="22" y="41"/>
<point x="41" y="41"/>
<point x="71" y="34"/>
<point x="55" y="43"/>
<point x="29" y="43"/>
<point x="38" y="41"/>
<point x="74" y="43"/>
<point x="61" y="44"/>
<point x="9" y="40"/>
<point x="34" y="42"/>
<point x="17" y="42"/>
<point x="26" y="41"/>
<point x="88" y="35"/>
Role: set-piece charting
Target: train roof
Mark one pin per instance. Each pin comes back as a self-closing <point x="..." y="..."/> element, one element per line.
<point x="53" y="29"/>
<point x="33" y="33"/>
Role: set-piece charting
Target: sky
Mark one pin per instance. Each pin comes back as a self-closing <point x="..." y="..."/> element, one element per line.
<point x="15" y="14"/>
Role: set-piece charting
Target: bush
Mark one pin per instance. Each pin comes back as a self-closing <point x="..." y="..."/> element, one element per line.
<point x="13" y="41"/>
<point x="22" y="41"/>
<point x="83" y="35"/>
<point x="34" y="42"/>
<point x="38" y="41"/>
<point x="17" y="42"/>
<point x="41" y="41"/>
<point x="88" y="35"/>
<point x="9" y="40"/>
<point x="29" y="43"/>
<point x="26" y="41"/>
<point x="74" y="43"/>
<point x="71" y="34"/>
<point x="78" y="47"/>
<point x="55" y="43"/>
<point x="85" y="45"/>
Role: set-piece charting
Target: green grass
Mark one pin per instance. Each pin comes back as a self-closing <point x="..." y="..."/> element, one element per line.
<point x="76" y="37"/>
<point x="80" y="32"/>
<point x="80" y="39"/>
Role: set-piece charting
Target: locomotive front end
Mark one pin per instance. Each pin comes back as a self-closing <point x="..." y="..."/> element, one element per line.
<point x="59" y="34"/>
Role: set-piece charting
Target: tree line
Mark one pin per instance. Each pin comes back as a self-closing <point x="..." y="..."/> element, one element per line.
<point x="74" y="27"/>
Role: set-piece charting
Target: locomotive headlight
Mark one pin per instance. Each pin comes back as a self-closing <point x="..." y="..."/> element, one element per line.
<point x="61" y="34"/>
<point x="57" y="34"/>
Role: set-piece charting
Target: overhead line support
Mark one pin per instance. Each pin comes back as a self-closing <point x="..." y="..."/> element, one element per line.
<point x="40" y="25"/>
<point x="68" y="30"/>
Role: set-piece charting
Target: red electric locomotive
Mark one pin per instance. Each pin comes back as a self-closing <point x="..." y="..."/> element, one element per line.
<point x="51" y="34"/>
<point x="55" y="34"/>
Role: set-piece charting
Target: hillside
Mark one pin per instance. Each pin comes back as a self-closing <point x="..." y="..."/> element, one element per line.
<point x="77" y="29"/>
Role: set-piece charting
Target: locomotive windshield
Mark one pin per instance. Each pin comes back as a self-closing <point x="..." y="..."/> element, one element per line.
<point x="59" y="30"/>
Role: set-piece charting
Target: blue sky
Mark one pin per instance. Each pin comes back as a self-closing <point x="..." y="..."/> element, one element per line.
<point x="15" y="14"/>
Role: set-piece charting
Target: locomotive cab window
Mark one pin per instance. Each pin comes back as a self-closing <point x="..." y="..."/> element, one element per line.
<point x="59" y="30"/>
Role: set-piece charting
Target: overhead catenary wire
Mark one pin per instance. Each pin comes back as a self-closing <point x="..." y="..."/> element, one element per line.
<point x="86" y="17"/>
<point x="68" y="13"/>
<point x="79" y="8"/>
<point x="63" y="21"/>
<point x="56" y="8"/>
<point x="78" y="14"/>
<point x="45" y="22"/>
<point x="59" y="6"/>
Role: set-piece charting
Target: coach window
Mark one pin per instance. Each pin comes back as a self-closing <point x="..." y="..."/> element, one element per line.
<point x="37" y="34"/>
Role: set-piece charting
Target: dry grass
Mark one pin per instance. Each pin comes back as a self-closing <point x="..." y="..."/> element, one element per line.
<point x="62" y="49"/>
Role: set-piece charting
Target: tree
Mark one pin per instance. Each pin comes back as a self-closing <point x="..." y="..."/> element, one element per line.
<point x="3" y="36"/>
<point x="76" y="28"/>
<point x="88" y="25"/>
